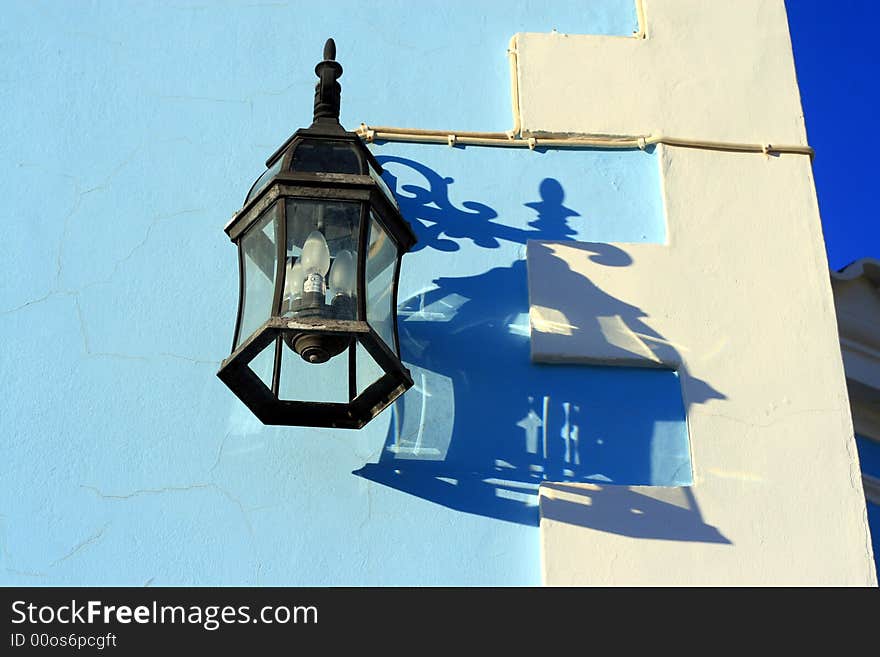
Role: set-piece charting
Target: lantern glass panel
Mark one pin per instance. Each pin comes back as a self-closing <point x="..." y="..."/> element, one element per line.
<point x="259" y="256"/>
<point x="381" y="265"/>
<point x="321" y="268"/>
<point x="263" y="364"/>
<point x="381" y="182"/>
<point x="263" y="180"/>
<point x="321" y="382"/>
<point x="367" y="369"/>
<point x="325" y="156"/>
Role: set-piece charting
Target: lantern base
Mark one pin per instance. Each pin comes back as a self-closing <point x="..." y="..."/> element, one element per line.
<point x="317" y="348"/>
<point x="312" y="305"/>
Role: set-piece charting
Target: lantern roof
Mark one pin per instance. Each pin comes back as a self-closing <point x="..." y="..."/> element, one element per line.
<point x="318" y="150"/>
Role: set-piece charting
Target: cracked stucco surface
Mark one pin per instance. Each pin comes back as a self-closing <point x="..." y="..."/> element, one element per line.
<point x="130" y="134"/>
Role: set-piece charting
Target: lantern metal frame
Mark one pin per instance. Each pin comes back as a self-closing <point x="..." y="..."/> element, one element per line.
<point x="377" y="204"/>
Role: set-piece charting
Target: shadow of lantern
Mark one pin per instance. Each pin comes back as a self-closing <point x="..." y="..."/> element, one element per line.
<point x="483" y="427"/>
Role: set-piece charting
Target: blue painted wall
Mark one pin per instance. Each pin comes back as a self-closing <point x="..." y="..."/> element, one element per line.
<point x="869" y="455"/>
<point x="869" y="460"/>
<point x="131" y="133"/>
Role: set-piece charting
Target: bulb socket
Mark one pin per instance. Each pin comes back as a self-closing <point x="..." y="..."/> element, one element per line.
<point x="317" y="348"/>
<point x="343" y="307"/>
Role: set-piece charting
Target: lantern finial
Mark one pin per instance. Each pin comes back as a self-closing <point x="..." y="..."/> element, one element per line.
<point x="328" y="90"/>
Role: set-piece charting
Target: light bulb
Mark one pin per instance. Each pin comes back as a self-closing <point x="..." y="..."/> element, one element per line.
<point x="342" y="276"/>
<point x="316" y="255"/>
<point x="293" y="279"/>
<point x="315" y="262"/>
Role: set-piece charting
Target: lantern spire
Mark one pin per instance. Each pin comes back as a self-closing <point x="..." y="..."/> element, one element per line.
<point x="327" y="90"/>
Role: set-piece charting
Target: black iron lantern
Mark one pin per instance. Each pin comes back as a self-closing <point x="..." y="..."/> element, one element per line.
<point x="320" y="239"/>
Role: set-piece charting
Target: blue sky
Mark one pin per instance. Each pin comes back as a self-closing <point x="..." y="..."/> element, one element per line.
<point x="836" y="58"/>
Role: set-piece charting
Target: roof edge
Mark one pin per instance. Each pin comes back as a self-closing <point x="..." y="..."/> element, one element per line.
<point x="868" y="268"/>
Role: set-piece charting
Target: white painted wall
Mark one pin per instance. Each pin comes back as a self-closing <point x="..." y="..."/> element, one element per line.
<point x="738" y="301"/>
<point x="720" y="70"/>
